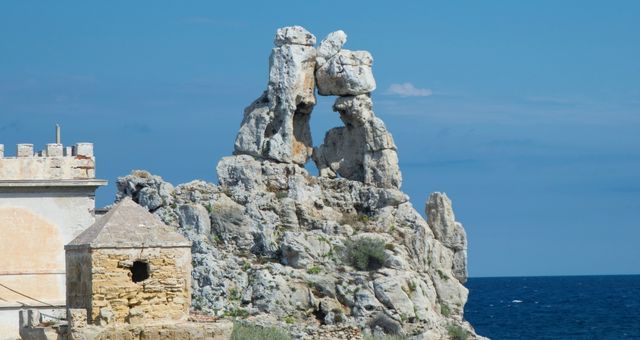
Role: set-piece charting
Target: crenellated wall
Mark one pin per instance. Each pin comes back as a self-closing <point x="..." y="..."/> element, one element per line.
<point x="55" y="162"/>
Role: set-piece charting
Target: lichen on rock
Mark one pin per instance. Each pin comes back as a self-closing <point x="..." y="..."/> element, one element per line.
<point x="274" y="244"/>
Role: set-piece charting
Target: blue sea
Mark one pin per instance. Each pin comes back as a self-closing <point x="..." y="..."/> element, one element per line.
<point x="555" y="307"/>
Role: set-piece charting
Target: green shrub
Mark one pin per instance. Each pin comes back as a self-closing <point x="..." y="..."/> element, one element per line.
<point x="363" y="218"/>
<point x="444" y="310"/>
<point x="366" y="253"/>
<point x="234" y="294"/>
<point x="250" y="332"/>
<point x="314" y="270"/>
<point x="237" y="313"/>
<point x="356" y="220"/>
<point x="457" y="333"/>
<point x="412" y="286"/>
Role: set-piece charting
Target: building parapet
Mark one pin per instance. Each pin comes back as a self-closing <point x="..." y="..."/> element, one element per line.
<point x="55" y="162"/>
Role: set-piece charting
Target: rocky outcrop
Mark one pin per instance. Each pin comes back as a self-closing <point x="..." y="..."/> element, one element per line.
<point x="276" y="245"/>
<point x="446" y="230"/>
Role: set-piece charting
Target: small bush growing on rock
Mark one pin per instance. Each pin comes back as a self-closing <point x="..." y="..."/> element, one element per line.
<point x="234" y="294"/>
<point x="356" y="220"/>
<point x="457" y="333"/>
<point x="314" y="270"/>
<point x="237" y="313"/>
<point x="444" y="310"/>
<point x="412" y="286"/>
<point x="246" y="332"/>
<point x="366" y="253"/>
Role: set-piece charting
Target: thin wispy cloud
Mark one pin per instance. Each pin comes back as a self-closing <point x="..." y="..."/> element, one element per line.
<point x="408" y="90"/>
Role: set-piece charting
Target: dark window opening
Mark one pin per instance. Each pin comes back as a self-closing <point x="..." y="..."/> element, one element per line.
<point x="139" y="271"/>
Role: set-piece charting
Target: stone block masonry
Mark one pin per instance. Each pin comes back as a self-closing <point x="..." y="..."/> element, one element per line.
<point x="164" y="295"/>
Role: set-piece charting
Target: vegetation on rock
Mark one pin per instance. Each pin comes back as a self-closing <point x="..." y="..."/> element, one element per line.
<point x="366" y="253"/>
<point x="242" y="331"/>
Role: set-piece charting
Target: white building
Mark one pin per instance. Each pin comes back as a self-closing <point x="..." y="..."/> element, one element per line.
<point x="46" y="200"/>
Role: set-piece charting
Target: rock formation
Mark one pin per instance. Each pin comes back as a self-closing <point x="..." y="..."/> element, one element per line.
<point x="276" y="125"/>
<point x="446" y="230"/>
<point x="363" y="150"/>
<point x="276" y="245"/>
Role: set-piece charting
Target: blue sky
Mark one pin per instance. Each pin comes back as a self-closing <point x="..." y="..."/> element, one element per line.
<point x="526" y="114"/>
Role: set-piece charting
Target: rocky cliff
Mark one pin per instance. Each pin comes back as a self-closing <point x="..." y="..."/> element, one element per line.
<point x="345" y="249"/>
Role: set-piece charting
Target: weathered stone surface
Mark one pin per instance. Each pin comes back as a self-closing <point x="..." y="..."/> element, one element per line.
<point x="363" y="150"/>
<point x="276" y="125"/>
<point x="347" y="73"/>
<point x="150" y="191"/>
<point x="451" y="233"/>
<point x="330" y="46"/>
<point x="301" y="250"/>
<point x="195" y="216"/>
<point x="294" y="35"/>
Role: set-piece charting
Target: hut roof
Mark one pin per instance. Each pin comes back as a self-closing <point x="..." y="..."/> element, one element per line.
<point x="128" y="225"/>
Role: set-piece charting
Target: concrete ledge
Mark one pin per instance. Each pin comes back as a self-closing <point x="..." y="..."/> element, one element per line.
<point x="17" y="306"/>
<point x="53" y="183"/>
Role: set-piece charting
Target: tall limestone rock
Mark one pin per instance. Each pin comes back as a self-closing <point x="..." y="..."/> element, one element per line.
<point x="276" y="125"/>
<point x="340" y="253"/>
<point x="446" y="230"/>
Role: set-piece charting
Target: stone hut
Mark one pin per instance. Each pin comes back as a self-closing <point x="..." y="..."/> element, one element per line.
<point x="129" y="267"/>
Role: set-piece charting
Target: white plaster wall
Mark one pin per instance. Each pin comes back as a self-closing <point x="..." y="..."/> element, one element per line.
<point x="9" y="325"/>
<point x="70" y="210"/>
<point x="35" y="224"/>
